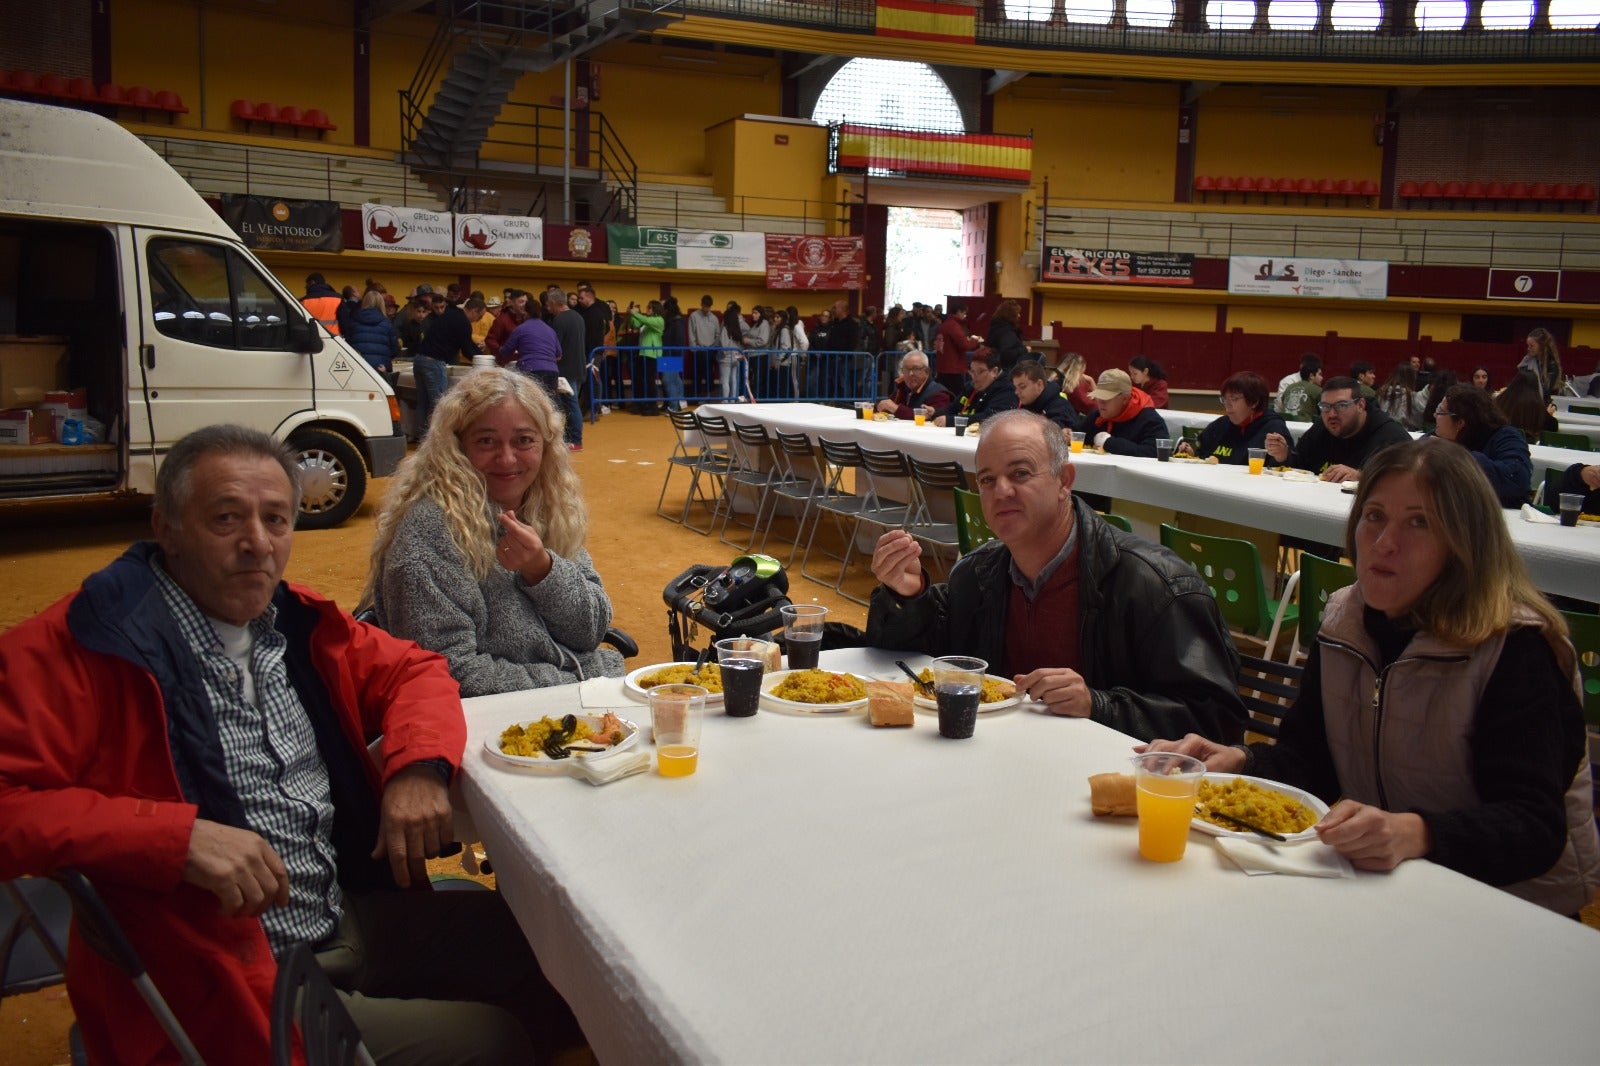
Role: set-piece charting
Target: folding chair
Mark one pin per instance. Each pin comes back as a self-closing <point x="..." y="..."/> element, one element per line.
<point x="689" y="453"/>
<point x="330" y="1036"/>
<point x="99" y="929"/>
<point x="835" y="500"/>
<point x="35" y="914"/>
<point x="971" y="529"/>
<point x="1577" y="441"/>
<point x="717" y="461"/>
<point x="1268" y="689"/>
<point x="802" y="478"/>
<point x="1232" y="568"/>
<point x="756" y="468"/>
<point x="1319" y="579"/>
<point x="1112" y="519"/>
<point x="1585" y="631"/>
<point x="928" y="522"/>
<point x="885" y="513"/>
<point x="1548" y="495"/>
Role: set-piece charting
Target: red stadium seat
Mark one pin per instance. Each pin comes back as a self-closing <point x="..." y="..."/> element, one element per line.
<point x="24" y="81"/>
<point x="1225" y="185"/>
<point x="1497" y="190"/>
<point x="1567" y="191"/>
<point x="1328" y="187"/>
<point x="111" y="93"/>
<point x="1266" y="187"/>
<point x="266" y="112"/>
<point x="291" y="116"/>
<point x="1368" y="188"/>
<point x="1410" y="190"/>
<point x="1205" y="183"/>
<point x="139" y="96"/>
<point x="1245" y="185"/>
<point x="1305" y="186"/>
<point x="1346" y="187"/>
<point x="319" y="118"/>
<point x="244" y="110"/>
<point x="53" y="85"/>
<point x="167" y="100"/>
<point x="1432" y="190"/>
<point x="1475" y="190"/>
<point x="1454" y="190"/>
<point x="1586" y="193"/>
<point x="82" y="89"/>
<point x="1543" y="191"/>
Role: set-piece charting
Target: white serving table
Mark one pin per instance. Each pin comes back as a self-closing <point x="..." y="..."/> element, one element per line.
<point x="824" y="892"/>
<point x="1560" y="560"/>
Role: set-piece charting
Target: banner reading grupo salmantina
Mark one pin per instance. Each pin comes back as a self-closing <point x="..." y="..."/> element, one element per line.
<point x="685" y="249"/>
<point x="499" y="236"/>
<point x="406" y="230"/>
<point x="1342" y="279"/>
<point x="804" y="262"/>
<point x="1118" y="267"/>
<point x="273" y="222"/>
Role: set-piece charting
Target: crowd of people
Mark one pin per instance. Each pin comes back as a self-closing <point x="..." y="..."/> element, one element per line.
<point x="193" y="730"/>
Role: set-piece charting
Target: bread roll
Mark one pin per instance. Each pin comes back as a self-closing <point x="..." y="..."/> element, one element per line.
<point x="889" y="703"/>
<point x="1113" y="794"/>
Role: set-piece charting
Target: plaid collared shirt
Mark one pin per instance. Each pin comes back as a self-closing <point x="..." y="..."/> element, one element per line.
<point x="272" y="761"/>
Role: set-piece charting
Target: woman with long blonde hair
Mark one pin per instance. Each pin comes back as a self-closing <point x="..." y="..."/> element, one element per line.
<point x="479" y="553"/>
<point x="1440" y="710"/>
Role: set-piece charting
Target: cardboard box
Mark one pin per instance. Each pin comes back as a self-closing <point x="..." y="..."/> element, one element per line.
<point x="64" y="404"/>
<point x="22" y="426"/>
<point x="29" y="368"/>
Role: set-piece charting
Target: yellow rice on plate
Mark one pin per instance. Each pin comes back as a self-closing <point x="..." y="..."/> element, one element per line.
<point x="820" y="686"/>
<point x="994" y="688"/>
<point x="1259" y="806"/>
<point x="709" y="677"/>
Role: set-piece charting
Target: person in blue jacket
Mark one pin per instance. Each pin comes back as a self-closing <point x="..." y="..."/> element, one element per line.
<point x="1468" y="416"/>
<point x="370" y="332"/>
<point x="1247" y="418"/>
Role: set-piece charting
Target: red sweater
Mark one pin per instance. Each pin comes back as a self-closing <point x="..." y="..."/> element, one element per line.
<point x="1044" y="632"/>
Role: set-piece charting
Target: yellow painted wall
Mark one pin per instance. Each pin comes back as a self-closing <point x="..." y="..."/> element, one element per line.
<point x="1279" y="131"/>
<point x="398" y="44"/>
<point x="755" y="173"/>
<point x="1384" y="325"/>
<point x="156" y="43"/>
<point x="1119" y="144"/>
<point x="1439" y="327"/>
<point x="1585" y="331"/>
<point x="1127" y="314"/>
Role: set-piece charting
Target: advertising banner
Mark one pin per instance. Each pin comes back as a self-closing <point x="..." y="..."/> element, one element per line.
<point x="406" y="230"/>
<point x="684" y="249"/>
<point x="583" y="244"/>
<point x="293" y="225"/>
<point x="1119" y="267"/>
<point x="1341" y="279"/>
<point x="1524" y="284"/>
<point x="803" y="262"/>
<point x="499" y="236"/>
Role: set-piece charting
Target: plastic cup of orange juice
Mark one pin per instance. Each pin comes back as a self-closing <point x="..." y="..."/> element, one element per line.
<point x="919" y="417"/>
<point x="676" y="713"/>
<point x="1167" y="785"/>
<point x="1258" y="460"/>
<point x="1077" y="442"/>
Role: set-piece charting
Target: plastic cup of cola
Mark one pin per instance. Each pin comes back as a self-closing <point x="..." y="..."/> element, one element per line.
<point x="743" y="662"/>
<point x="958" y="689"/>
<point x="1164" y="450"/>
<point x="802" y="634"/>
<point x="1571" y="507"/>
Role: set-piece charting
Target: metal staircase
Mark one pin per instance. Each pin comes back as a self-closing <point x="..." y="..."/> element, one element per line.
<point x="465" y="80"/>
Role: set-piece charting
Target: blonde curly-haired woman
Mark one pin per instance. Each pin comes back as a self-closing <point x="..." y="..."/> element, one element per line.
<point x="479" y="551"/>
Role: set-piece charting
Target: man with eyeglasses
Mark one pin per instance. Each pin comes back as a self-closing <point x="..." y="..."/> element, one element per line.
<point x="992" y="391"/>
<point x="1088" y="620"/>
<point x="916" y="392"/>
<point x="1347" y="436"/>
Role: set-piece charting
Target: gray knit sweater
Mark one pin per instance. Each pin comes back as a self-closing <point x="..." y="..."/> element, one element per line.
<point x="502" y="635"/>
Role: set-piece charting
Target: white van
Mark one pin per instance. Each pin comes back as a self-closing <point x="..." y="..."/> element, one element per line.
<point x="122" y="291"/>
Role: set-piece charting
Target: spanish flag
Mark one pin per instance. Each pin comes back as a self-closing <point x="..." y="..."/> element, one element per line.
<point x="990" y="156"/>
<point x="920" y="20"/>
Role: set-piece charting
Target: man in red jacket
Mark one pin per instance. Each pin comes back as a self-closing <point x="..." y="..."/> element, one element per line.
<point x="951" y="346"/>
<point x="192" y="733"/>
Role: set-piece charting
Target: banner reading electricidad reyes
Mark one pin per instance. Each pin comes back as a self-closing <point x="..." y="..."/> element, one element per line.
<point x="1119" y="267"/>
<point x="1342" y="279"/>
<point x="274" y="222"/>
<point x="684" y="249"/>
<point x="804" y="262"/>
<point x="406" y="230"/>
<point x="499" y="236"/>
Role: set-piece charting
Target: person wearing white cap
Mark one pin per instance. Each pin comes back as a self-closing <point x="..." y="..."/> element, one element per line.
<point x="1127" y="423"/>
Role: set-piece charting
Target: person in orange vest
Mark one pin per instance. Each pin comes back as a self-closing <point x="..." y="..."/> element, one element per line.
<point x="322" y="301"/>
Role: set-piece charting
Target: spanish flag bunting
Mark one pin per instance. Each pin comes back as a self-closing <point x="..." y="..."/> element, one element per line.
<point x="919" y="20"/>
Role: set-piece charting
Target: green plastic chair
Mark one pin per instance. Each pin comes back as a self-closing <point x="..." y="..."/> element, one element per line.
<point x="1192" y="433"/>
<point x="1549" y="498"/>
<point x="1117" y="520"/>
<point x="1585" y="630"/>
<point x="1232" y="568"/>
<point x="1576" y="441"/>
<point x="971" y="529"/>
<point x="1319" y="579"/>
<point x="1577" y="409"/>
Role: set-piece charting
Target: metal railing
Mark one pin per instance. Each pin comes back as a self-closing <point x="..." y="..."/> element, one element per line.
<point x="1070" y="28"/>
<point x="622" y="376"/>
<point x="214" y="168"/>
<point x="765" y="214"/>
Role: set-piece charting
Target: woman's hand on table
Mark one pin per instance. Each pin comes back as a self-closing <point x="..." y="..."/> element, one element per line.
<point x="1338" y="473"/>
<point x="1183" y="449"/>
<point x="1220" y="758"/>
<point x="1373" y="838"/>
<point x="897" y="563"/>
<point x="521" y="550"/>
<point x="1063" y="691"/>
<point x="1277" y="447"/>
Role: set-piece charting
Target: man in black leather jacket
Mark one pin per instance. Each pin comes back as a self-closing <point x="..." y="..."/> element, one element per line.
<point x="1145" y="651"/>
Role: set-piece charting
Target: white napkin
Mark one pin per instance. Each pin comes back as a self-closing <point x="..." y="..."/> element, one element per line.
<point x="1530" y="514"/>
<point x="1299" y="475"/>
<point x="613" y="768"/>
<point x="602" y="693"/>
<point x="1304" y="860"/>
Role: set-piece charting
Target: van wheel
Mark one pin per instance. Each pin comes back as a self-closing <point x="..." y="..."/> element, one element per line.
<point x="333" y="478"/>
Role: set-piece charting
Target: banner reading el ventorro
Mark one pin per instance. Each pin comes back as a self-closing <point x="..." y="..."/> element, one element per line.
<point x="277" y="223"/>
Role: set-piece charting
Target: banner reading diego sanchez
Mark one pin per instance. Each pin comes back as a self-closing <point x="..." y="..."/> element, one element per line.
<point x="805" y="262"/>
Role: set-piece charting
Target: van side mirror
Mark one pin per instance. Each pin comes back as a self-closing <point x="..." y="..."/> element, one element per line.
<point x="303" y="336"/>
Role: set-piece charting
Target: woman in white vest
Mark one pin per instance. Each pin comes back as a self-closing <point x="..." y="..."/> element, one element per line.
<point x="1440" y="706"/>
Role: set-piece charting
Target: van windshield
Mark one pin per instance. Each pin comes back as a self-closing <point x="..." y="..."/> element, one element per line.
<point x="209" y="294"/>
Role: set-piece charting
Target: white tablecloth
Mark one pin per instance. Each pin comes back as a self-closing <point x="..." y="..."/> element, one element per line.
<point x="821" y="891"/>
<point x="1560" y="560"/>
